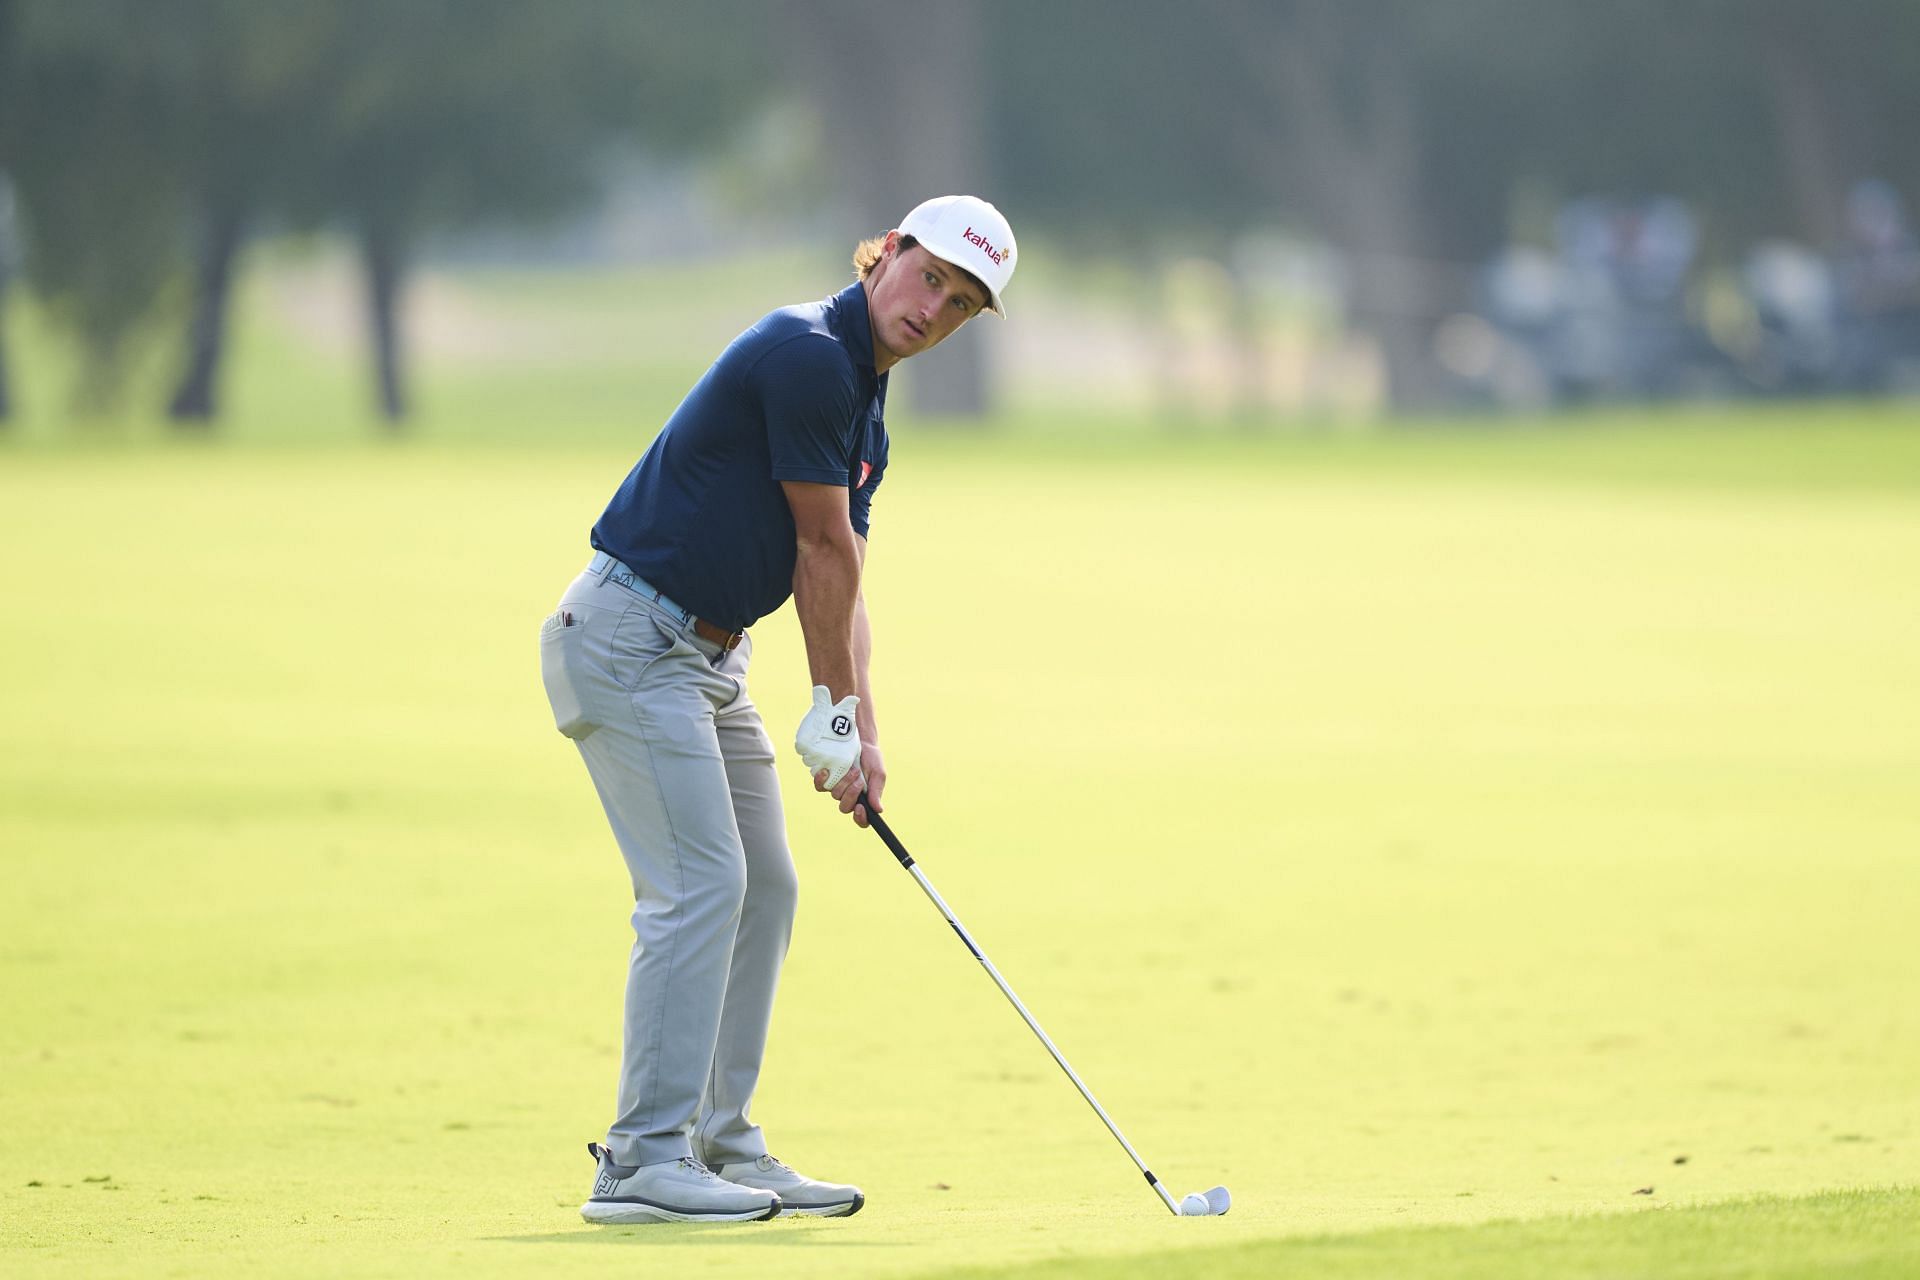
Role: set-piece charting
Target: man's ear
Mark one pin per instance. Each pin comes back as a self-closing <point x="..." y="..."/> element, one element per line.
<point x="889" y="250"/>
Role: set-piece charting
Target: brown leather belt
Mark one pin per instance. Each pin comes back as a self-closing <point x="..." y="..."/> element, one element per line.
<point x="727" y="640"/>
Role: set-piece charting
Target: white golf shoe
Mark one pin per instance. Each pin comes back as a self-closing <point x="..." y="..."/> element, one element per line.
<point x="682" y="1190"/>
<point x="798" y="1193"/>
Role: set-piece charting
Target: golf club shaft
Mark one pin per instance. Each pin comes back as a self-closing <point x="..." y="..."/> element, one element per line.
<point x="905" y="859"/>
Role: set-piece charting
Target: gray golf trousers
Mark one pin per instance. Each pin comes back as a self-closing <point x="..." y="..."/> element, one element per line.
<point x="686" y="775"/>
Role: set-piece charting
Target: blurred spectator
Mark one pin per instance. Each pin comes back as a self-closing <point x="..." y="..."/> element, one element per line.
<point x="1511" y="360"/>
<point x="1654" y="242"/>
<point x="1878" y="275"/>
<point x="1882" y="260"/>
<point x="1791" y="289"/>
<point x="1605" y="315"/>
<point x="1624" y="329"/>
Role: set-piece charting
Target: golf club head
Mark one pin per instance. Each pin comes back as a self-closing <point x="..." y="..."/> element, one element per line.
<point x="1205" y="1204"/>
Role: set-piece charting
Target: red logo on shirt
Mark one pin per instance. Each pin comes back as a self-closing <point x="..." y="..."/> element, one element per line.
<point x="866" y="469"/>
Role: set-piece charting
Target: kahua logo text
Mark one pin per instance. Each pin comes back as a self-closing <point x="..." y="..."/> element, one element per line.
<point x="985" y="246"/>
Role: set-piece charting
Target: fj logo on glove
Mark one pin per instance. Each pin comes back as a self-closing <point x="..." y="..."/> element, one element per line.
<point x="842" y="726"/>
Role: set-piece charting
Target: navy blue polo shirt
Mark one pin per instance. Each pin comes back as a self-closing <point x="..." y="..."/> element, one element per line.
<point x="702" y="515"/>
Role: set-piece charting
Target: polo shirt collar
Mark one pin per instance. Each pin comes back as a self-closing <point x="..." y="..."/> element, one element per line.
<point x="856" y="330"/>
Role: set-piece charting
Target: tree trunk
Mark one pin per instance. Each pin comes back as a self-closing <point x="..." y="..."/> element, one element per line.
<point x="1806" y="150"/>
<point x="904" y="101"/>
<point x="6" y="397"/>
<point x="1339" y="87"/>
<point x="7" y="256"/>
<point x="1814" y="146"/>
<point x="1369" y="177"/>
<point x="194" y="401"/>
<point x="383" y="255"/>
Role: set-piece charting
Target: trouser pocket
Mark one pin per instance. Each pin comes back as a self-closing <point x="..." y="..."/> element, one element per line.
<point x="563" y="671"/>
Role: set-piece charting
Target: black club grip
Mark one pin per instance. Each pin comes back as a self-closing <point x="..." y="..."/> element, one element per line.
<point x="885" y="832"/>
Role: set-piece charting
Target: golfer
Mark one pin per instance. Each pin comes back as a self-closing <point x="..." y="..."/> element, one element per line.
<point x="759" y="487"/>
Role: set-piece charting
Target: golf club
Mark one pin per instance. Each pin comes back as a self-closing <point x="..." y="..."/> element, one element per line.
<point x="1200" y="1204"/>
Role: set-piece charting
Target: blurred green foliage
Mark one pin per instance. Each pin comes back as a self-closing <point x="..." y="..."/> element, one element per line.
<point x="149" y="139"/>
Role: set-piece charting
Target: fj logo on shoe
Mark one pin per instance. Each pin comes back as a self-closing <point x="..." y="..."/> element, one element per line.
<point x="604" y="1186"/>
<point x="842" y="726"/>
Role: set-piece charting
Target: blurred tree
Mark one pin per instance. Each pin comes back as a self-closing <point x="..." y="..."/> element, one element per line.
<point x="146" y="134"/>
<point x="7" y="254"/>
<point x="904" y="104"/>
<point x="1843" y="83"/>
<point x="1632" y="97"/>
<point x="397" y="120"/>
<point x="96" y="136"/>
<point x="444" y="111"/>
<point x="1194" y="124"/>
<point x="208" y="101"/>
<point x="1341" y="85"/>
<point x="9" y="80"/>
<point x="452" y="112"/>
<point x="255" y="79"/>
<point x="1115" y="122"/>
<point x="1402" y="132"/>
<point x="1759" y="113"/>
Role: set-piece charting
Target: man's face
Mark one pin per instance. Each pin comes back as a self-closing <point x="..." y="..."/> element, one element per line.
<point x="914" y="300"/>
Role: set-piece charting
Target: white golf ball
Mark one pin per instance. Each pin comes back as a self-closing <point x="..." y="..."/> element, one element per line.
<point x="1195" y="1206"/>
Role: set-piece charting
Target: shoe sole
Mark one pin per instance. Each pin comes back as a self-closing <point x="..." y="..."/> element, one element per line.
<point x="838" y="1209"/>
<point x="618" y="1212"/>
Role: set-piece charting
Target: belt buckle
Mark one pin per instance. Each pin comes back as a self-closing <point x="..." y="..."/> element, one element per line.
<point x="713" y="633"/>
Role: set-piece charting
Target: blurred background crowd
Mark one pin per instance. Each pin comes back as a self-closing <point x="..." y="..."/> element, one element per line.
<point x="1235" y="207"/>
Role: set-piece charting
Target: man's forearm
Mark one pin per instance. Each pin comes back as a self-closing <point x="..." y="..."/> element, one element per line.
<point x="863" y="680"/>
<point x="826" y="589"/>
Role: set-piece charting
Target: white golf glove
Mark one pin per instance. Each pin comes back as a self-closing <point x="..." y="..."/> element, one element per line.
<point x="827" y="738"/>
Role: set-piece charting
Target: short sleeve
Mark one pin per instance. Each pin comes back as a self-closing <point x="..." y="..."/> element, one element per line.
<point x="807" y="395"/>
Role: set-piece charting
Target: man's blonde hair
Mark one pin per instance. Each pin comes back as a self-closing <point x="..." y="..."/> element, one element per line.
<point x="867" y="254"/>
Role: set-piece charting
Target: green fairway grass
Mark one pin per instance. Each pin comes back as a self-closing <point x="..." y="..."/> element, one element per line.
<point x="1861" y="1235"/>
<point x="1490" y="852"/>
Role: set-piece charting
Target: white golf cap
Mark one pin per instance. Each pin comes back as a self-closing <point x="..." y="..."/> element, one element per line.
<point x="969" y="233"/>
